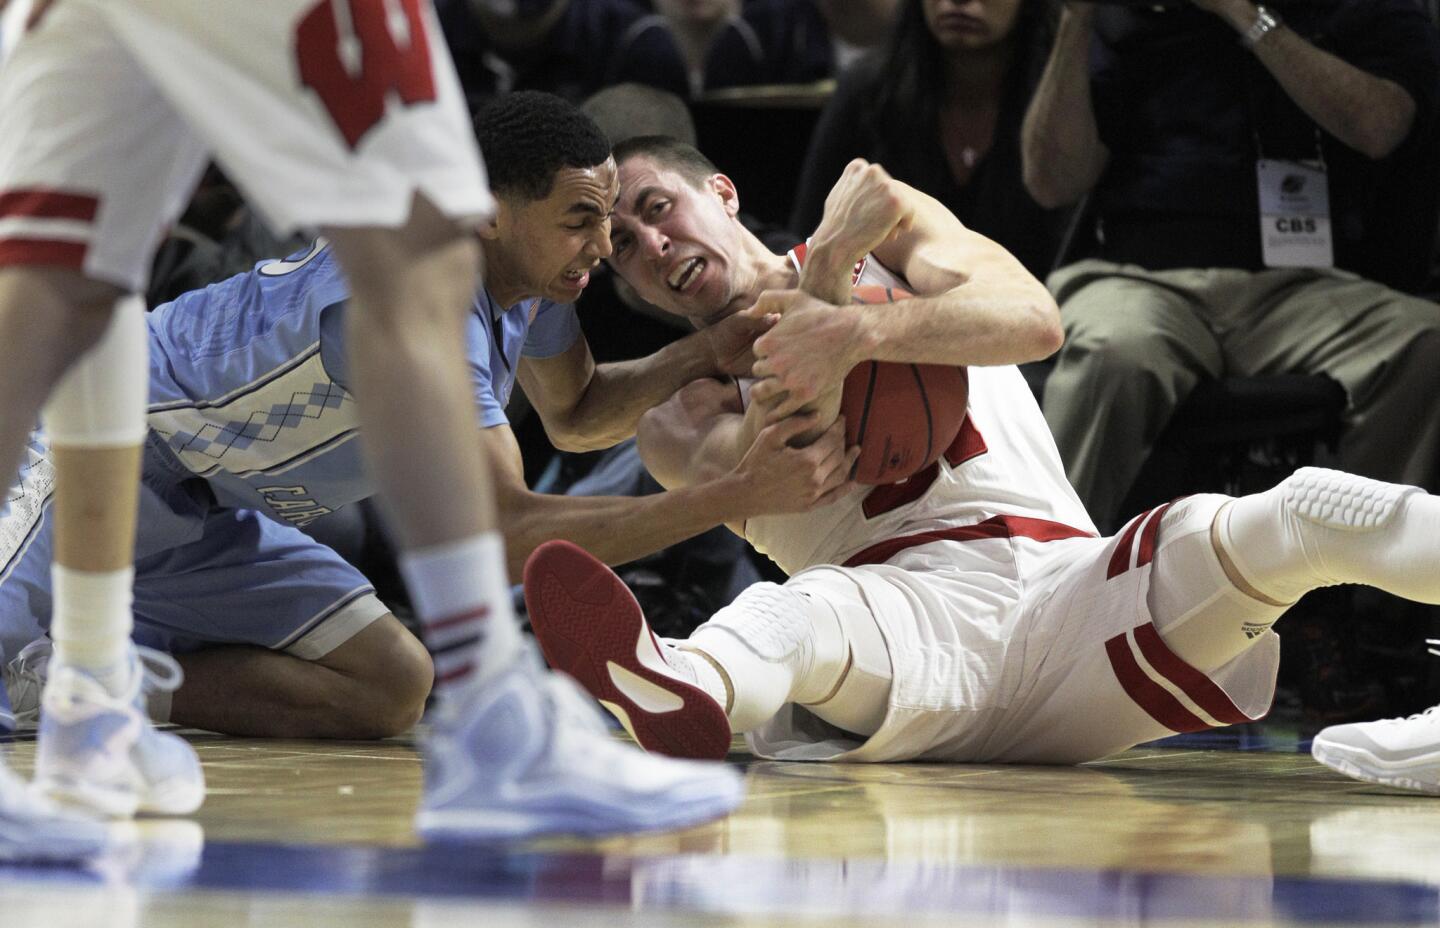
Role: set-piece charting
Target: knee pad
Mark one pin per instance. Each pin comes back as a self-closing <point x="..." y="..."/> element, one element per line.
<point x="100" y="402"/>
<point x="776" y="646"/>
<point x="770" y="620"/>
<point x="1338" y="500"/>
<point x="860" y="702"/>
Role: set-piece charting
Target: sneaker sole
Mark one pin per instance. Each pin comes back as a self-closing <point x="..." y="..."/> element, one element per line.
<point x="1362" y="765"/>
<point x="586" y="620"/>
<point x="90" y="798"/>
<point x="664" y="814"/>
<point x="51" y="844"/>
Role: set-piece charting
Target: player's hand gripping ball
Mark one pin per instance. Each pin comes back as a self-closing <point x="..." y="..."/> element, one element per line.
<point x="903" y="416"/>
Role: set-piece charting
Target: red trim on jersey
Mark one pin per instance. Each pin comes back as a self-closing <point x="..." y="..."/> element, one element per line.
<point x="1200" y="688"/>
<point x="891" y="496"/>
<point x="993" y="527"/>
<point x="460" y="618"/>
<point x="1148" y="537"/>
<point x="42" y="203"/>
<point x="37" y="251"/>
<point x="1157" y="701"/>
<point x="969" y="443"/>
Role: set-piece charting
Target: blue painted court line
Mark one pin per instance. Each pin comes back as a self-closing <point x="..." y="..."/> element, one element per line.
<point x="750" y="885"/>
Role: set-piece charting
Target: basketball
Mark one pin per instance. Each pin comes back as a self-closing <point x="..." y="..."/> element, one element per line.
<point x="902" y="416"/>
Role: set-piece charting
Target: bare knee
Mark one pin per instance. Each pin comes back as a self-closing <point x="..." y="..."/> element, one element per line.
<point x="388" y="675"/>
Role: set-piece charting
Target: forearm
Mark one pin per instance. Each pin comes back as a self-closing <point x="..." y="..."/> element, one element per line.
<point x="984" y="327"/>
<point x="620" y="393"/>
<point x="618" y="529"/>
<point x="1370" y="114"/>
<point x="1060" y="147"/>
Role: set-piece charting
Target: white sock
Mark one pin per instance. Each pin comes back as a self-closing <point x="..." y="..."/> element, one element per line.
<point x="92" y="621"/>
<point x="461" y="594"/>
<point x="1320" y="528"/>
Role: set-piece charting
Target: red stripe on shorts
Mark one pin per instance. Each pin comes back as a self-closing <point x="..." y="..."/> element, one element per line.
<point x="1120" y="560"/>
<point x="1147" y="537"/>
<point x="1200" y="688"/>
<point x="1157" y="701"/>
<point x="40" y="203"/>
<point x="993" y="527"/>
<point x="43" y="252"/>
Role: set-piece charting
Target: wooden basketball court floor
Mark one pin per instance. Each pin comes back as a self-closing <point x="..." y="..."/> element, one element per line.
<point x="1239" y="829"/>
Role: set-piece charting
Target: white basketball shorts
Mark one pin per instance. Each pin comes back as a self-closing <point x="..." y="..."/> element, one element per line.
<point x="324" y="112"/>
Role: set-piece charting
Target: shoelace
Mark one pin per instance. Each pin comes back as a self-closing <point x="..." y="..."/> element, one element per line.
<point x="24" y="677"/>
<point x="162" y="671"/>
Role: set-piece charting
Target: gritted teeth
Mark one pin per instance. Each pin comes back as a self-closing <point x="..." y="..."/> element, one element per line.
<point x="684" y="273"/>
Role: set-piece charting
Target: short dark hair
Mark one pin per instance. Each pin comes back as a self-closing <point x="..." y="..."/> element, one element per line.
<point x="666" y="152"/>
<point x="526" y="137"/>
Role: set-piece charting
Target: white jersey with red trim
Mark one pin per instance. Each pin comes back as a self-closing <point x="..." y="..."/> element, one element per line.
<point x="1013" y="632"/>
<point x="1003" y="463"/>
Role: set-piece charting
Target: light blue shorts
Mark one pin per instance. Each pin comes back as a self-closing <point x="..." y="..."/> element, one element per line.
<point x="205" y="574"/>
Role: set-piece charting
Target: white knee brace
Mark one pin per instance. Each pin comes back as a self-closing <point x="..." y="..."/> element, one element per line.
<point x="780" y="646"/>
<point x="1343" y="501"/>
<point x="776" y="646"/>
<point x="100" y="402"/>
<point x="1323" y="527"/>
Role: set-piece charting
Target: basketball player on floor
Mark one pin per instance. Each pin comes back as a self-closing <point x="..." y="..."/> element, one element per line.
<point x="276" y="634"/>
<point x="344" y="114"/>
<point x="972" y="614"/>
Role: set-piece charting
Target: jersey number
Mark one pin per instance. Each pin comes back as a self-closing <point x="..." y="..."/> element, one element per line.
<point x="355" y="68"/>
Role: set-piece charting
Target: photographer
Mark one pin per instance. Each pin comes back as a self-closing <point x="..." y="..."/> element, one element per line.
<point x="1264" y="184"/>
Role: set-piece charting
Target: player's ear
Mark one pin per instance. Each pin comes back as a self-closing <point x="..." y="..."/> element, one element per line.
<point x="489" y="230"/>
<point x="724" y="188"/>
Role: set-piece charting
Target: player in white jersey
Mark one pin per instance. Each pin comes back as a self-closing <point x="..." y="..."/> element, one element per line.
<point x="970" y="613"/>
<point x="343" y="114"/>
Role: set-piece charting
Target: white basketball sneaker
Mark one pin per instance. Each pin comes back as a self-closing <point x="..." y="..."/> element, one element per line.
<point x="527" y="753"/>
<point x="35" y="830"/>
<point x="1394" y="752"/>
<point x="100" y="752"/>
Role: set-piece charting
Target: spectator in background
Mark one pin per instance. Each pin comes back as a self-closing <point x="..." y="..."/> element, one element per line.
<point x="727" y="43"/>
<point x="1200" y="134"/>
<point x="567" y="47"/>
<point x="576" y="47"/>
<point x="940" y="107"/>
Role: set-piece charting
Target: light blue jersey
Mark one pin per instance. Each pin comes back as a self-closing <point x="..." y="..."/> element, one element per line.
<point x="248" y="384"/>
<point x="252" y="433"/>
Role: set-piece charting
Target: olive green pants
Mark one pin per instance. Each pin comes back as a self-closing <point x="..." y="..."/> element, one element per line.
<point x="1138" y="341"/>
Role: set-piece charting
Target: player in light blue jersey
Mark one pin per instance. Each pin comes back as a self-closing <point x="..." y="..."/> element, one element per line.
<point x="253" y="435"/>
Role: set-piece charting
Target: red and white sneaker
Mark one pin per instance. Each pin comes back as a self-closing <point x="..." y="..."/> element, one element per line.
<point x="590" y="626"/>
